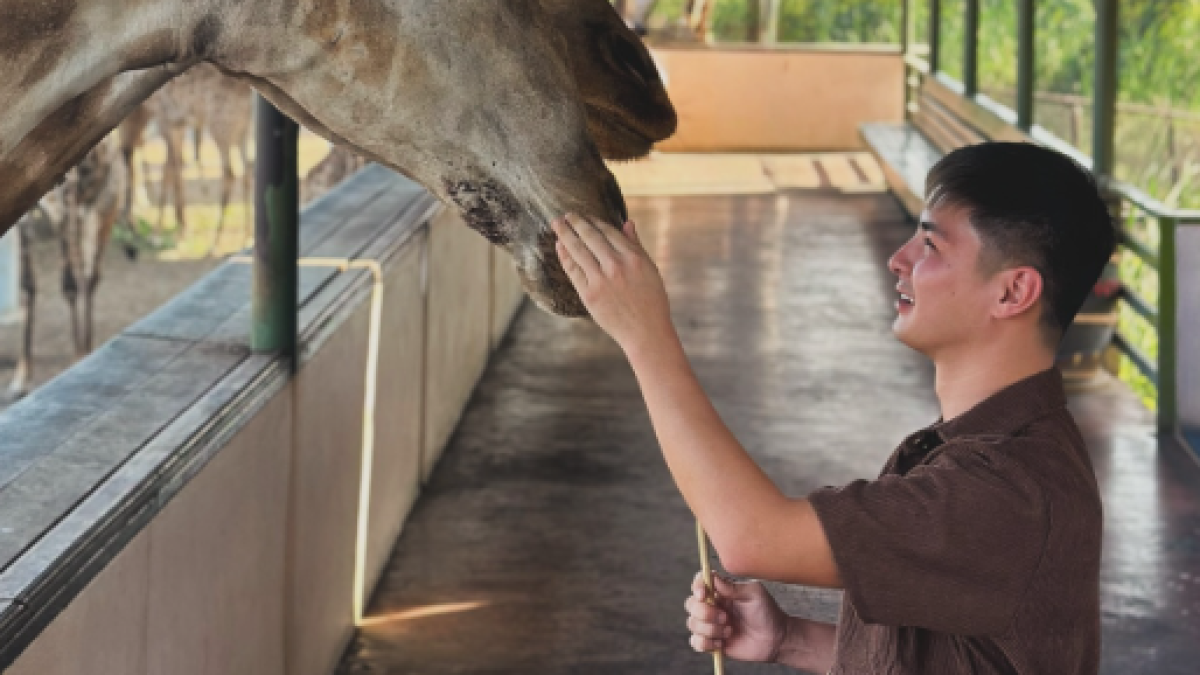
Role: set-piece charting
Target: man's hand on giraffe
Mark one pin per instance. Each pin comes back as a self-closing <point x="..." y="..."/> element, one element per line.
<point x="616" y="279"/>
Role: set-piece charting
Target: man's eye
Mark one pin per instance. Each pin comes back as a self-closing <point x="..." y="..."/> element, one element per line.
<point x="929" y="243"/>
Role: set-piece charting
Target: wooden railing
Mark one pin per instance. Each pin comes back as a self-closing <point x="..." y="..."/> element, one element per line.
<point x="1147" y="238"/>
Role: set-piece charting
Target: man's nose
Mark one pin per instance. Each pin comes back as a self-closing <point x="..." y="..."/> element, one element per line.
<point x="896" y="263"/>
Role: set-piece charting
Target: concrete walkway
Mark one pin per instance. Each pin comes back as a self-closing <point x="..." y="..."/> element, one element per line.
<point x="552" y="540"/>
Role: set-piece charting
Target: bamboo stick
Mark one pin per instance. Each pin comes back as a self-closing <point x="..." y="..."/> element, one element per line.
<point x="718" y="657"/>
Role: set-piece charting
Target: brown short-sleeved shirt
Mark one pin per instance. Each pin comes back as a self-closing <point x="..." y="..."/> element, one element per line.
<point x="977" y="550"/>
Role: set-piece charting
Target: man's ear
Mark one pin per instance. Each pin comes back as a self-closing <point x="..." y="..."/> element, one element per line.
<point x="1020" y="290"/>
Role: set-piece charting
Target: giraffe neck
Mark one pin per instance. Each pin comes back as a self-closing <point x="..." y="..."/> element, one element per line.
<point x="76" y="69"/>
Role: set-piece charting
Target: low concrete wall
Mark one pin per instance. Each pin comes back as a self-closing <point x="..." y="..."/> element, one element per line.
<point x="778" y="100"/>
<point x="270" y="503"/>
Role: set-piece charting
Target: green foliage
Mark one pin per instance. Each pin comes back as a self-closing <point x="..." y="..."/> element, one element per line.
<point x="844" y="21"/>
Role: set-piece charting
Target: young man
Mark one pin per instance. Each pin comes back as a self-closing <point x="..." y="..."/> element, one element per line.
<point x="977" y="549"/>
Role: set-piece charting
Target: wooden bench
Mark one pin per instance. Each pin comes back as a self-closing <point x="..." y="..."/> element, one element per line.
<point x="942" y="121"/>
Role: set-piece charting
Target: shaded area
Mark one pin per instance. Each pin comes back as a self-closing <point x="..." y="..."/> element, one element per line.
<point x="552" y="540"/>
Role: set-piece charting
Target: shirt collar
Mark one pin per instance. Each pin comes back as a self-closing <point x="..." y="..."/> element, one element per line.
<point x="1009" y="409"/>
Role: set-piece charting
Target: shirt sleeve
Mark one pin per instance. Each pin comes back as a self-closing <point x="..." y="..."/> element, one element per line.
<point x="951" y="546"/>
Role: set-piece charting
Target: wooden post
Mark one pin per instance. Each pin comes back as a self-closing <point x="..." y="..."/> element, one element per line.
<point x="276" y="231"/>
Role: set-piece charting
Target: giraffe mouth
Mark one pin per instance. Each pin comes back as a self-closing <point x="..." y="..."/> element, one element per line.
<point x="617" y="140"/>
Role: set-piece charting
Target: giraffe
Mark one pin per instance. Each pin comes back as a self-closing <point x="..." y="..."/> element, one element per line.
<point x="82" y="211"/>
<point x="204" y="100"/>
<point x="482" y="102"/>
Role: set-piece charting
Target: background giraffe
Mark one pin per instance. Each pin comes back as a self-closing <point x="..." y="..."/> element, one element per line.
<point x="82" y="211"/>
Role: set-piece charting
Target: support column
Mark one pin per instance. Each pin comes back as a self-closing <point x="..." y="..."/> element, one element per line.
<point x="935" y="21"/>
<point x="1104" y="106"/>
<point x="1025" y="36"/>
<point x="971" y="48"/>
<point x="276" y="231"/>
<point x="771" y="34"/>
<point x="1168" y="419"/>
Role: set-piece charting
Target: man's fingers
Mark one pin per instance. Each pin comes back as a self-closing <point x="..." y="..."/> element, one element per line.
<point x="725" y="586"/>
<point x="616" y="238"/>
<point x="711" y="631"/>
<point x="702" y="611"/>
<point x="703" y="644"/>
<point x="574" y="272"/>
<point x="580" y="253"/>
<point x="631" y="233"/>
<point x="595" y="239"/>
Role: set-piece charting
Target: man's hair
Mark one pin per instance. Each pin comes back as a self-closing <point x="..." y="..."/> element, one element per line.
<point x="1031" y="206"/>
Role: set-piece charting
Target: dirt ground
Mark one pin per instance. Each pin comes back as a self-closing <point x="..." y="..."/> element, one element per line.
<point x="132" y="289"/>
<point x="128" y="291"/>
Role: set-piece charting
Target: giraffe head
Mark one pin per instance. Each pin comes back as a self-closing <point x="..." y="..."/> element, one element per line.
<point x="488" y="104"/>
<point x="627" y="105"/>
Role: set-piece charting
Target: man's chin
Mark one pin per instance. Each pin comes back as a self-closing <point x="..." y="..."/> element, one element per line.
<point x="904" y="334"/>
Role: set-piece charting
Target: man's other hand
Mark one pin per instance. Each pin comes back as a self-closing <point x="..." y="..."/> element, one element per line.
<point x="745" y="622"/>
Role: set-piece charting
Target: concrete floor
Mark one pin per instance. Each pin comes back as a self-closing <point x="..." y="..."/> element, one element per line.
<point x="551" y="539"/>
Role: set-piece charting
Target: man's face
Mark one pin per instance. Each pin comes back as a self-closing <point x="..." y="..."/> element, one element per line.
<point x="943" y="298"/>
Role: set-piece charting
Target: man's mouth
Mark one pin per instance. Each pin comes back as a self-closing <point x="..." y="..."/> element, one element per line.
<point x="905" y="297"/>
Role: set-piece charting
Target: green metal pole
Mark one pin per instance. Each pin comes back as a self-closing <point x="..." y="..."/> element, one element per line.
<point x="1167" y="419"/>
<point x="935" y="11"/>
<point x="1104" y="115"/>
<point x="1025" y="55"/>
<point x="904" y="26"/>
<point x="971" y="48"/>
<point x="276" y="231"/>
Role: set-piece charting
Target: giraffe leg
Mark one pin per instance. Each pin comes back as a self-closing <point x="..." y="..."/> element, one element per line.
<point x="89" y="293"/>
<point x="247" y="196"/>
<point x="70" y="290"/>
<point x="24" y="371"/>
<point x="177" y="187"/>
<point x="172" y="177"/>
<point x="226" y="186"/>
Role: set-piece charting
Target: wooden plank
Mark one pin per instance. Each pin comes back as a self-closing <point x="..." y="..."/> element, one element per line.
<point x="54" y="413"/>
<point x="137" y="410"/>
<point x="986" y="123"/>
<point x="792" y="171"/>
<point x="62" y="562"/>
<point x="841" y="175"/>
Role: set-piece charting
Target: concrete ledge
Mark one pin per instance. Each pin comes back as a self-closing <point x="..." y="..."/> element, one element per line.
<point x="89" y="461"/>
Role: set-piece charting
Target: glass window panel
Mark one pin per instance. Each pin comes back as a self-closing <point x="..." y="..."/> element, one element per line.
<point x="919" y="25"/>
<point x="853" y="21"/>
<point x="950" y="38"/>
<point x="666" y="14"/>
<point x="1157" y="143"/>
<point x="998" y="50"/>
<point x="734" y="20"/>
<point x="1065" y="53"/>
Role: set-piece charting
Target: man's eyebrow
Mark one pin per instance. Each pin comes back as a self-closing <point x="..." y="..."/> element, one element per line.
<point x="932" y="228"/>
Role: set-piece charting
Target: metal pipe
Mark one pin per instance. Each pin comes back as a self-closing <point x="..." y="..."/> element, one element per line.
<point x="971" y="48"/>
<point x="276" y="232"/>
<point x="935" y="20"/>
<point x="1025" y="54"/>
<point x="1167" y="408"/>
<point x="1104" y="112"/>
